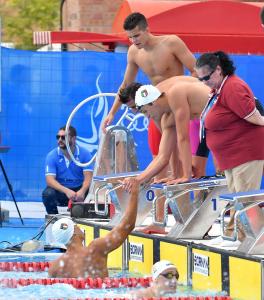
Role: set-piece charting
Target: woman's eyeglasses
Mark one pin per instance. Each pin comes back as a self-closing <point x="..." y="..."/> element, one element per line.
<point x="170" y="275"/>
<point x="207" y="77"/>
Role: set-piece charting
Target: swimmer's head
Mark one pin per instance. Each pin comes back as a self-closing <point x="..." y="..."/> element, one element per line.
<point x="146" y="94"/>
<point x="165" y="277"/>
<point x="137" y="31"/>
<point x="128" y="93"/>
<point x="161" y="267"/>
<point x="62" y="231"/>
<point x="135" y="19"/>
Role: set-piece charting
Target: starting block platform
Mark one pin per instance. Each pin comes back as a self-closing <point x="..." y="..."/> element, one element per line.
<point x="112" y="187"/>
<point x="195" y="206"/>
<point x="249" y="216"/>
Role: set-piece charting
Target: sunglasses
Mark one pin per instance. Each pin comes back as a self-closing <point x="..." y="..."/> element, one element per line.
<point x="207" y="77"/>
<point x="170" y="275"/>
<point x="60" y="137"/>
<point x="139" y="108"/>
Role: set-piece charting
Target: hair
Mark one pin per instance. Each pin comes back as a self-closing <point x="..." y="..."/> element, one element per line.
<point x="72" y="130"/>
<point x="214" y="59"/>
<point x="135" y="19"/>
<point x="128" y="93"/>
<point x="262" y="15"/>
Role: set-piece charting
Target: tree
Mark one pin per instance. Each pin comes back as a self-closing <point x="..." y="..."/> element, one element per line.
<point x="23" y="17"/>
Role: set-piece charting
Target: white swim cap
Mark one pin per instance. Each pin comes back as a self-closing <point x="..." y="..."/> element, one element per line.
<point x="146" y="94"/>
<point x="161" y="266"/>
<point x="62" y="231"/>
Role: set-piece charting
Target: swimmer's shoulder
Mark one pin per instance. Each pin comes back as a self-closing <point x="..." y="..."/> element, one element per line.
<point x="171" y="39"/>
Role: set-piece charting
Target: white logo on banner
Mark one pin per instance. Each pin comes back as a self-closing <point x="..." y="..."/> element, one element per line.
<point x="100" y="109"/>
<point x="136" y="252"/>
<point x="201" y="264"/>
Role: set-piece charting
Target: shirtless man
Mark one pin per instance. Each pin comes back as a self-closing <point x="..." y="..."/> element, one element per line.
<point x="165" y="276"/>
<point x="171" y="104"/>
<point x="144" y="54"/>
<point x="91" y="261"/>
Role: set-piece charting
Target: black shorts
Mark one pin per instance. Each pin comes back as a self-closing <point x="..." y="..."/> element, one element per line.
<point x="202" y="149"/>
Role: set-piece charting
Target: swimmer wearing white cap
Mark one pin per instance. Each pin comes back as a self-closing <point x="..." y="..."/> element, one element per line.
<point x="165" y="276"/>
<point x="80" y="261"/>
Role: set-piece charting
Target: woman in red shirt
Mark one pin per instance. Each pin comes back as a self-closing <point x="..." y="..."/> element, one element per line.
<point x="232" y="125"/>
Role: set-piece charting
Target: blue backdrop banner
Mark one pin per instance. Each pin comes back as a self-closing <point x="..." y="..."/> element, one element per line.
<point x="40" y="90"/>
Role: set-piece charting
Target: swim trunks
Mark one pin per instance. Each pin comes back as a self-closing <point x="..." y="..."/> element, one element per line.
<point x="198" y="148"/>
<point x="154" y="136"/>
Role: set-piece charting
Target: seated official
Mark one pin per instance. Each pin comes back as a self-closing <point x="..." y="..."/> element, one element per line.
<point x="91" y="261"/>
<point x="165" y="277"/>
<point x="65" y="180"/>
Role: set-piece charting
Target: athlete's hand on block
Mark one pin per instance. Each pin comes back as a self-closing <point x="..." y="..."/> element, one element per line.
<point x="129" y="183"/>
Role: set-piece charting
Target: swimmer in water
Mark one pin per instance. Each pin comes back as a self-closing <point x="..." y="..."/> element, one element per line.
<point x="91" y="261"/>
<point x="165" y="278"/>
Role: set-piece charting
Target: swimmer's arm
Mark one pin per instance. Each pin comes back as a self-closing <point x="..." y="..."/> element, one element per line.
<point x="183" y="54"/>
<point x="175" y="164"/>
<point x="119" y="233"/>
<point x="255" y="118"/>
<point x="52" y="272"/>
<point x="181" y="113"/>
<point x="129" y="77"/>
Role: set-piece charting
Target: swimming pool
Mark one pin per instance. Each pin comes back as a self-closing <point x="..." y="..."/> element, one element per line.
<point x="66" y="291"/>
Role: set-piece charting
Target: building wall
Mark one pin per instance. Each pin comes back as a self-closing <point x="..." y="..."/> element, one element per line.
<point x="89" y="15"/>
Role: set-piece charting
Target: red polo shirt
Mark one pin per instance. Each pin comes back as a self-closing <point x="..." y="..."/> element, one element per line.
<point x="233" y="140"/>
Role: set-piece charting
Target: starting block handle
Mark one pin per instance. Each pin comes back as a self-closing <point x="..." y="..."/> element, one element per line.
<point x="110" y="189"/>
<point x="236" y="216"/>
<point x="154" y="212"/>
<point x="96" y="201"/>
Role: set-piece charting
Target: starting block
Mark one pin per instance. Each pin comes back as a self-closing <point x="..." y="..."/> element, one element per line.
<point x="113" y="193"/>
<point x="194" y="205"/>
<point x="116" y="153"/>
<point x="251" y="217"/>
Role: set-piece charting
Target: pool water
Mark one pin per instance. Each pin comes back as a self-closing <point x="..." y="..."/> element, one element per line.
<point x="66" y="291"/>
<point x="16" y="233"/>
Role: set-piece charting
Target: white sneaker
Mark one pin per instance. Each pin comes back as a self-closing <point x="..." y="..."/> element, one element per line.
<point x="216" y="241"/>
<point x="227" y="243"/>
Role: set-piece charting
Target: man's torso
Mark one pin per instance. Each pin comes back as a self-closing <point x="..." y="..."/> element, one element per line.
<point x="195" y="93"/>
<point x="66" y="171"/>
<point x="159" y="62"/>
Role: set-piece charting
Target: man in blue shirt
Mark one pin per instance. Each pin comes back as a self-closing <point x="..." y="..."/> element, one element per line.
<point x="65" y="180"/>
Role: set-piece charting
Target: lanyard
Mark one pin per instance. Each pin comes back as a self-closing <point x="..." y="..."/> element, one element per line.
<point x="211" y="102"/>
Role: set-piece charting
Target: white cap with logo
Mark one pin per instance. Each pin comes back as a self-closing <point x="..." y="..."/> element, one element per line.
<point x="62" y="231"/>
<point x="146" y="94"/>
<point x="161" y="266"/>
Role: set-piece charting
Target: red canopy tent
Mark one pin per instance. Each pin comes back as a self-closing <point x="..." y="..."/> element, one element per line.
<point x="231" y="26"/>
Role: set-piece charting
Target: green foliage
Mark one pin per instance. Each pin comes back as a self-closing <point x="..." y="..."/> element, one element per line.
<point x="26" y="16"/>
